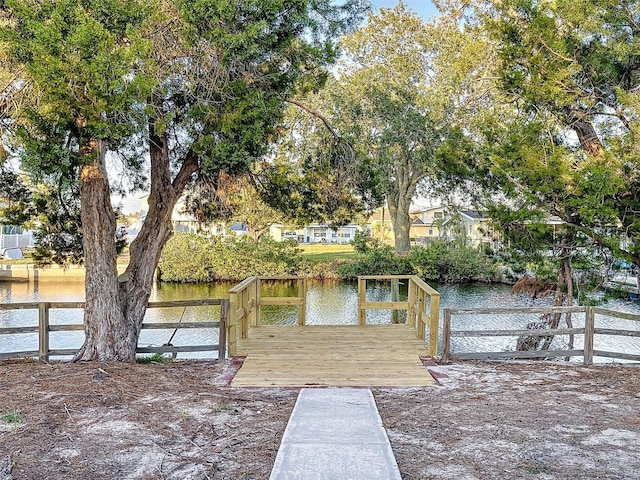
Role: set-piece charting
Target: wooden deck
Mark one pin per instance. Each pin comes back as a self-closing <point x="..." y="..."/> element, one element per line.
<point x="298" y="356"/>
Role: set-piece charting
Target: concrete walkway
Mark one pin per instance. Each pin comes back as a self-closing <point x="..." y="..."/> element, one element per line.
<point x="335" y="433"/>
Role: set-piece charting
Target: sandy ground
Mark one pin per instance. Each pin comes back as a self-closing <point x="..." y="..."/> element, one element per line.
<point x="182" y="421"/>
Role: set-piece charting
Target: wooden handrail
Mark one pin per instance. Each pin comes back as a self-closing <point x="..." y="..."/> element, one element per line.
<point x="415" y="306"/>
<point x="246" y="301"/>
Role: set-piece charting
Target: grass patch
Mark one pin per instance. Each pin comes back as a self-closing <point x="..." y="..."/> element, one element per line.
<point x="326" y="252"/>
<point x="14" y="417"/>
<point x="155" y="358"/>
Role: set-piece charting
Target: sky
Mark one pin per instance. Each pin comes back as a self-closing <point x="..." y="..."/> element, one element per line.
<point x="423" y="8"/>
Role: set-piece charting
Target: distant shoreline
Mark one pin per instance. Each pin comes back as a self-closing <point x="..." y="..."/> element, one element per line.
<point x="34" y="274"/>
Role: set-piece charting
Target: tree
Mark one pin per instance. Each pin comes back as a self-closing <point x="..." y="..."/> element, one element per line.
<point x="560" y="140"/>
<point x="572" y="72"/>
<point x="401" y="98"/>
<point x="193" y="86"/>
<point x="232" y="199"/>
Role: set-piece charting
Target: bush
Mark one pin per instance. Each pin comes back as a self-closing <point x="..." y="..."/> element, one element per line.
<point x="378" y="261"/>
<point x="438" y="261"/>
<point x="192" y="258"/>
<point x="445" y="262"/>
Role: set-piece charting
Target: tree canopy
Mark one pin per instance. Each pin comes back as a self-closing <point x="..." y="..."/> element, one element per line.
<point x="179" y="90"/>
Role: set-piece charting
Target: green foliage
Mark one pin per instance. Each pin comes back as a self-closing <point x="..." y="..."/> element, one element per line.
<point x="155" y="358"/>
<point x="209" y="77"/>
<point x="378" y="261"/>
<point x="447" y="262"/>
<point x="362" y="241"/>
<point x="438" y="261"/>
<point x="195" y="258"/>
<point x="567" y="146"/>
<point x="14" y="417"/>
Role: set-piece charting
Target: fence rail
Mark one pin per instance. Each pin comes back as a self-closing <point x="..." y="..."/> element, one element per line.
<point x="44" y="328"/>
<point x="589" y="331"/>
<point x="420" y="296"/>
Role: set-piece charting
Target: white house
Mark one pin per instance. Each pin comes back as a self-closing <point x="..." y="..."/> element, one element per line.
<point x="316" y="233"/>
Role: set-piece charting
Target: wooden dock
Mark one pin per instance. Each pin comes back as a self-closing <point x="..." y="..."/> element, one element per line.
<point x="298" y="356"/>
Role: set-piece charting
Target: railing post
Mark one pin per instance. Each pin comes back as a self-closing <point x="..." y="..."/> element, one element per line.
<point x="395" y="297"/>
<point x="43" y="331"/>
<point x="412" y="298"/>
<point x="589" y="327"/>
<point x="446" y="335"/>
<point x="434" y="324"/>
<point x="362" y="298"/>
<point x="232" y="324"/>
<point x="246" y="313"/>
<point x="222" y="332"/>
<point x="302" y="293"/>
<point x="257" y="315"/>
<point x="422" y="306"/>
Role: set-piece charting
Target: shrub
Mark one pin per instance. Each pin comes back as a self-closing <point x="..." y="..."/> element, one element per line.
<point x="188" y="257"/>
<point x="378" y="261"/>
<point x="439" y="261"/>
<point x="155" y="358"/>
<point x="449" y="263"/>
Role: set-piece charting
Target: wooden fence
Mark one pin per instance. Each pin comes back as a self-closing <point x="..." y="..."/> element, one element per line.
<point x="420" y="296"/>
<point x="589" y="331"/>
<point x="44" y="328"/>
<point x="246" y="300"/>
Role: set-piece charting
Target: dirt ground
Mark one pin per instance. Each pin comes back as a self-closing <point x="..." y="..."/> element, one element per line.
<point x="182" y="421"/>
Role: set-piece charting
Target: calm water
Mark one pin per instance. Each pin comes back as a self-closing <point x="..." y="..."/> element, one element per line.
<point x="328" y="303"/>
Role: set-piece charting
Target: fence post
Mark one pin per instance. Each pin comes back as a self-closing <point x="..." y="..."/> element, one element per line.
<point x="257" y="314"/>
<point x="43" y="331"/>
<point x="411" y="312"/>
<point x="302" y="293"/>
<point x="222" y="335"/>
<point x="589" y="327"/>
<point x="232" y="323"/>
<point x="434" y="324"/>
<point x="395" y="297"/>
<point x="245" y="300"/>
<point x="362" y="297"/>
<point x="446" y="335"/>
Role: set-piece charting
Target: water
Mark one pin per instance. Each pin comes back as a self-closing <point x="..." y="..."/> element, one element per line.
<point x="328" y="303"/>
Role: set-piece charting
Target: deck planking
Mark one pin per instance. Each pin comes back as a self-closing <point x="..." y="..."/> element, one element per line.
<point x="328" y="355"/>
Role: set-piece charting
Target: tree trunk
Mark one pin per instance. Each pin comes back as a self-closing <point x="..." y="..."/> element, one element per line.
<point x="115" y="306"/>
<point x="399" y="211"/>
<point x="565" y="283"/>
<point x="587" y="135"/>
<point x="108" y="335"/>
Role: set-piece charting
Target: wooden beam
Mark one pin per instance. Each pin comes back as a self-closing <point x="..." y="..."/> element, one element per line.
<point x="385" y="305"/>
<point x="518" y="355"/>
<point x="434" y="324"/>
<point x="541" y="332"/>
<point x="281" y="301"/>
<point x="589" y="321"/>
<point x="43" y="331"/>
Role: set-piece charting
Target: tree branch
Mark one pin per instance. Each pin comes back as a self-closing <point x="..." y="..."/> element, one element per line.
<point x="315" y="114"/>
<point x="188" y="168"/>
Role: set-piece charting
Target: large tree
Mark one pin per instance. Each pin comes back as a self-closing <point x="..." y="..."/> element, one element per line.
<point x="571" y="71"/>
<point x="401" y="95"/>
<point x="186" y="88"/>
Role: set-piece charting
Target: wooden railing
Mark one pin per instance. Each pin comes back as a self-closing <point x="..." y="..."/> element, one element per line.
<point x="420" y="296"/>
<point x="44" y="327"/>
<point x="589" y="331"/>
<point x="246" y="300"/>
